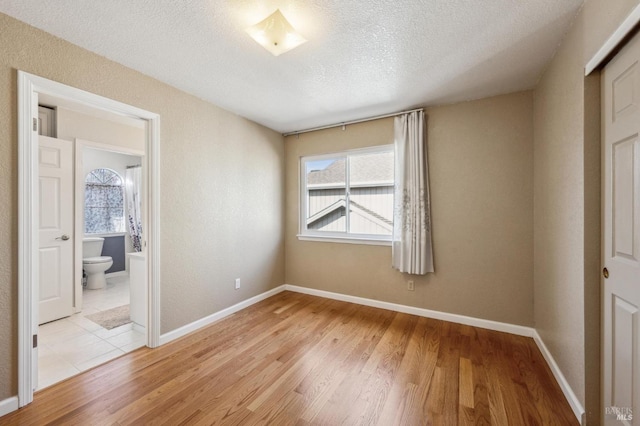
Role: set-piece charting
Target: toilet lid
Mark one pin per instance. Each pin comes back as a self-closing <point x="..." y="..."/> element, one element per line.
<point x="98" y="259"/>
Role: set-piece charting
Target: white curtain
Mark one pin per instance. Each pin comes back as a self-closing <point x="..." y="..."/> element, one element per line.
<point x="412" y="251"/>
<point x="133" y="179"/>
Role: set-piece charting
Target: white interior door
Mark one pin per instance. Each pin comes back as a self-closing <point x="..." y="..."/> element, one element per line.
<point x="621" y="294"/>
<point x="55" y="229"/>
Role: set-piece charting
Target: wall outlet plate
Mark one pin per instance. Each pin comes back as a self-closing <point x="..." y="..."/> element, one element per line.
<point x="410" y="286"/>
<point x="237" y="283"/>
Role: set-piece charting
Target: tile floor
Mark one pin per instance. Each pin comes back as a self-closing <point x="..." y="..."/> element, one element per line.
<point x="74" y="344"/>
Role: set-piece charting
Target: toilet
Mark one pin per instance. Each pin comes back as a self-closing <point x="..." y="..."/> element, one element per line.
<point x="93" y="264"/>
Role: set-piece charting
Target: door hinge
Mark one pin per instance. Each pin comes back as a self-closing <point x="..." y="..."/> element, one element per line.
<point x="35" y="341"/>
<point x="35" y="124"/>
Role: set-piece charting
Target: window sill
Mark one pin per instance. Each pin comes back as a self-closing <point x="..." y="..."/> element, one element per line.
<point x="346" y="240"/>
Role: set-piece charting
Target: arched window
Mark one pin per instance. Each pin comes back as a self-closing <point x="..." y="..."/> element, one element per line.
<point x="103" y="202"/>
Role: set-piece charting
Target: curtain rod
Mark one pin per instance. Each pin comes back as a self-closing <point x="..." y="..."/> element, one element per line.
<point x="346" y="123"/>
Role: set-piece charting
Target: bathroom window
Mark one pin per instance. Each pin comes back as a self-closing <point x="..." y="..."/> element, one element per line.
<point x="103" y="202"/>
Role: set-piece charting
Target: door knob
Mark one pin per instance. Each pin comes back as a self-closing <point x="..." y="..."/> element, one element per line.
<point x="605" y="272"/>
<point x="64" y="237"/>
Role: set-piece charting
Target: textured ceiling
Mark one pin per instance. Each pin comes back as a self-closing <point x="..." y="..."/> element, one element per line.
<point x="363" y="57"/>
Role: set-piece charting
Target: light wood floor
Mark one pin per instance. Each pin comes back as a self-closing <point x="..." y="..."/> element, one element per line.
<point x="298" y="359"/>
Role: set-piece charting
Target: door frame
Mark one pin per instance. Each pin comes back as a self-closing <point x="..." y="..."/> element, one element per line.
<point x="29" y="88"/>
<point x="599" y="60"/>
<point x="78" y="187"/>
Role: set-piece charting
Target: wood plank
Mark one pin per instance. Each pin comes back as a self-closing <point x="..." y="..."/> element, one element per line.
<point x="465" y="385"/>
<point x="408" y="395"/>
<point x="301" y="360"/>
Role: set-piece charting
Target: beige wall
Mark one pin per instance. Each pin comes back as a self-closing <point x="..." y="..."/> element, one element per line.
<point x="73" y="124"/>
<point x="222" y="185"/>
<point x="567" y="202"/>
<point x="514" y="183"/>
<point x="481" y="175"/>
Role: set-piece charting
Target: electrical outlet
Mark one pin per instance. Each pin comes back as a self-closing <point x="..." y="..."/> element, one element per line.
<point x="410" y="286"/>
<point x="237" y="283"/>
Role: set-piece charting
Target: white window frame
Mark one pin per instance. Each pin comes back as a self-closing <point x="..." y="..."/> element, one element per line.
<point x="305" y="234"/>
<point x="124" y="204"/>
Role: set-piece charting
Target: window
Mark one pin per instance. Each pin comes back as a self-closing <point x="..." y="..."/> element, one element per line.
<point x="348" y="196"/>
<point x="103" y="202"/>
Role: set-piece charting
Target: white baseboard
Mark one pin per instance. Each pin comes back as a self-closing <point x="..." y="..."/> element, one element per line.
<point x="444" y="316"/>
<point x="519" y="330"/>
<point x="573" y="400"/>
<point x="8" y="405"/>
<point x="203" y="322"/>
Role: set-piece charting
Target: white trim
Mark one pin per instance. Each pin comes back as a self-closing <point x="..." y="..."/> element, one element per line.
<point x="152" y="160"/>
<point x="26" y="255"/>
<point x="303" y="199"/>
<point x="78" y="224"/>
<point x="348" y="240"/>
<point x="519" y="330"/>
<point x="421" y="312"/>
<point x="371" y="184"/>
<point x="573" y="400"/>
<point x="29" y="88"/>
<point x="444" y="316"/>
<point x="8" y="405"/>
<point x="612" y="42"/>
<point x="203" y="322"/>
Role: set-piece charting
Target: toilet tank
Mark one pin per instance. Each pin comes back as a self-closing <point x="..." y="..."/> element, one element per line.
<point x="92" y="247"/>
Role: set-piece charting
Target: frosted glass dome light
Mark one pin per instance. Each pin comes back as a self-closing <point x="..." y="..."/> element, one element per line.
<point x="276" y="34"/>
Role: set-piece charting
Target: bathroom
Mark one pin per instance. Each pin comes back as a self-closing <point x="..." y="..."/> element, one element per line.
<point x="104" y="315"/>
<point x="111" y="186"/>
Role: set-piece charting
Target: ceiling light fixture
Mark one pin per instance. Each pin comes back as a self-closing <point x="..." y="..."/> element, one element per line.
<point x="276" y="34"/>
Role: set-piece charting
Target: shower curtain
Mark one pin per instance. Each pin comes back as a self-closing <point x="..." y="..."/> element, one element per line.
<point x="133" y="179"/>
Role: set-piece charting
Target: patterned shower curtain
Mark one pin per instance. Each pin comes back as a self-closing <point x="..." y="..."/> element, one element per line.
<point x="133" y="179"/>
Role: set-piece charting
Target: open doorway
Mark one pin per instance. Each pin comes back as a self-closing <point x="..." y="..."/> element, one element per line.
<point x="31" y="90"/>
<point x="109" y="307"/>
